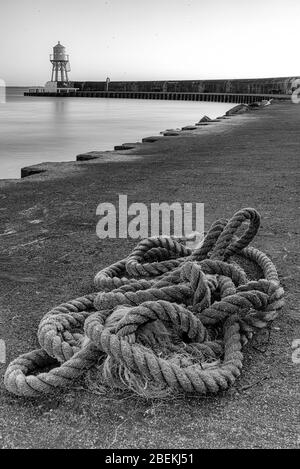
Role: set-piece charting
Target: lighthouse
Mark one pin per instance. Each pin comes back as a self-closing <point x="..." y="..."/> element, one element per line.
<point x="59" y="83"/>
<point x="60" y="64"/>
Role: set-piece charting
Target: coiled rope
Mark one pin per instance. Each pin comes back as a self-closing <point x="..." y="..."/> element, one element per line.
<point x="166" y="318"/>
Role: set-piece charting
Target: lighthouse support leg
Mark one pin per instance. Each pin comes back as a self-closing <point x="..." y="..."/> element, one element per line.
<point x="62" y="69"/>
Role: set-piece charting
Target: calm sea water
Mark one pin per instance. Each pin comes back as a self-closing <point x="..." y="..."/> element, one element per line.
<point x="33" y="130"/>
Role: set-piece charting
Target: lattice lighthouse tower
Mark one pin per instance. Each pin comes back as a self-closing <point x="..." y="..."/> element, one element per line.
<point x="60" y="65"/>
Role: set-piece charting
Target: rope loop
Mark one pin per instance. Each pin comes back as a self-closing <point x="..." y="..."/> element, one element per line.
<point x="226" y="245"/>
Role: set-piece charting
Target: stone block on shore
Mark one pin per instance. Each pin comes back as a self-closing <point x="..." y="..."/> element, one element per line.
<point x="205" y="119"/>
<point x="126" y="146"/>
<point x="151" y="139"/>
<point x="171" y="133"/>
<point x="259" y="104"/>
<point x="119" y="147"/>
<point x="212" y="121"/>
<point x="256" y="104"/>
<point x="189" y="127"/>
<point x="30" y="170"/>
<point x="239" y="109"/>
<point x="91" y="155"/>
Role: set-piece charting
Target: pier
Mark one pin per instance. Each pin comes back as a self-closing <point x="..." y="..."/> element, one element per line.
<point x="222" y="91"/>
<point x="182" y="96"/>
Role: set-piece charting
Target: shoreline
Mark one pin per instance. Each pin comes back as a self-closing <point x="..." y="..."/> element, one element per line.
<point x="71" y="127"/>
<point x="50" y="253"/>
<point x="122" y="152"/>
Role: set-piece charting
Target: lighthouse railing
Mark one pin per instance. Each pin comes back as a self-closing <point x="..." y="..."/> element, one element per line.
<point x="59" y="57"/>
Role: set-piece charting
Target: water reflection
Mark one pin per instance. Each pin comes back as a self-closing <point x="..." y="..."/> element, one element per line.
<point x="60" y="108"/>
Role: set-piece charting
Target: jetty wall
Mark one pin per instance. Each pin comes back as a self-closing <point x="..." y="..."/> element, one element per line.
<point x="232" y="91"/>
<point x="283" y="85"/>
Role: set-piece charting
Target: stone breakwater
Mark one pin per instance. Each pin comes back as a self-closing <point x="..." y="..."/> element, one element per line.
<point x="229" y="91"/>
<point x="275" y="86"/>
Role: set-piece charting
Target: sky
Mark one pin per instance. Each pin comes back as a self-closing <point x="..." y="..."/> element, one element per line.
<point x="149" y="39"/>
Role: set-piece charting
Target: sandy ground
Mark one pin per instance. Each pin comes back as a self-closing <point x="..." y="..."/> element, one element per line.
<point x="50" y="253"/>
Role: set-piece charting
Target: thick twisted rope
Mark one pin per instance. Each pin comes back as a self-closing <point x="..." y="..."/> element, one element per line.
<point x="166" y="318"/>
